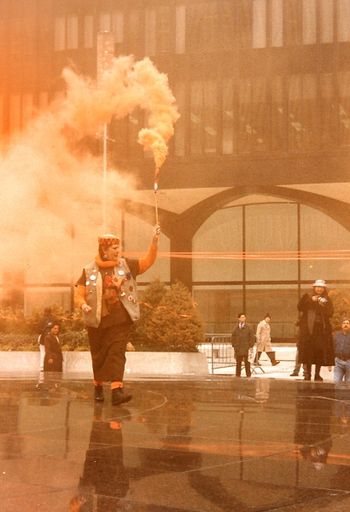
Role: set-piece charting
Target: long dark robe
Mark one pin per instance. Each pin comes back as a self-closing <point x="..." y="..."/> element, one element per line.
<point x="315" y="345"/>
<point x="52" y="352"/>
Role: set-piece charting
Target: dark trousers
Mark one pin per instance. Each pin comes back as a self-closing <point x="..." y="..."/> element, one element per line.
<point x="107" y="346"/>
<point x="239" y="360"/>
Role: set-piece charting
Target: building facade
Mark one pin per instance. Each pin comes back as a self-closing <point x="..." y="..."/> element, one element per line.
<point x="254" y="196"/>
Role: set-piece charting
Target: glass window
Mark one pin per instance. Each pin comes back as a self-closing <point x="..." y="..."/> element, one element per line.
<point x="278" y="114"/>
<point x="60" y="33"/>
<point x="88" y="31"/>
<point x="3" y="27"/>
<point x="329" y="114"/>
<point x="180" y="125"/>
<point x="72" y="32"/>
<point x="313" y="226"/>
<point x="36" y="299"/>
<point x="203" y="117"/>
<point x="220" y="235"/>
<point x="164" y="29"/>
<point x="180" y="29"/>
<point x="150" y="31"/>
<point x="245" y="129"/>
<point x="309" y="21"/>
<point x="105" y="22"/>
<point x="310" y="113"/>
<point x="295" y="125"/>
<point x="344" y="107"/>
<point x="227" y="117"/>
<point x="343" y="20"/>
<point x="29" y="38"/>
<point x="196" y="117"/>
<point x="118" y="26"/>
<point x="259" y="23"/>
<point x="203" y="26"/>
<point x="292" y="22"/>
<point x="210" y="116"/>
<point x="43" y="100"/>
<point x="2" y="120"/>
<point x="276" y="7"/>
<point x="326" y="20"/>
<point x="245" y="23"/>
<point x="271" y="228"/>
<point x="280" y="301"/>
<point x="135" y="31"/>
<point x="27" y="108"/>
<point x="260" y="115"/>
<point x="228" y="32"/>
<point x="218" y="306"/>
<point x="15" y="112"/>
<point x="15" y="36"/>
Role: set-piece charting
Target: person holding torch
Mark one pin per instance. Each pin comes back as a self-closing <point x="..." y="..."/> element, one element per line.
<point x="106" y="292"/>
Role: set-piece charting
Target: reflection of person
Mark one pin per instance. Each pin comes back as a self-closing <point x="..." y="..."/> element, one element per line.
<point x="315" y="344"/>
<point x="105" y="478"/>
<point x="313" y="425"/>
<point x="242" y="340"/>
<point x="263" y="340"/>
<point x="107" y="295"/>
<point x="53" y="353"/>
<point x="342" y="352"/>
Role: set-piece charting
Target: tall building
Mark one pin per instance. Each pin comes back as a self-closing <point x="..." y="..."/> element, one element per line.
<point x="256" y="185"/>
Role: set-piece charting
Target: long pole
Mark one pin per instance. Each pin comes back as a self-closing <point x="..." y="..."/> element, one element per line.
<point x="104" y="179"/>
<point x="155" y="188"/>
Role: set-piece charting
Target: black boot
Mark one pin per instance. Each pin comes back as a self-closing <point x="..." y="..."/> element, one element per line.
<point x="317" y="373"/>
<point x="119" y="397"/>
<point x="99" y="393"/>
<point x="257" y="357"/>
<point x="307" y="371"/>
<point x="273" y="358"/>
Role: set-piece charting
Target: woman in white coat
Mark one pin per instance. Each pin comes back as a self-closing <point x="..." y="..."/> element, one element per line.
<point x="263" y="340"/>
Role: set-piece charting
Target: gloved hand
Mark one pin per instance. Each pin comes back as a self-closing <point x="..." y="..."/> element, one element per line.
<point x="156" y="230"/>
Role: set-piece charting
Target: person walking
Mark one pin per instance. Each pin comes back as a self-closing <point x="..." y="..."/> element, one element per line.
<point x="106" y="292"/>
<point x="315" y="344"/>
<point x="263" y="341"/>
<point x="242" y="339"/>
<point x="341" y="341"/>
<point x="53" y="361"/>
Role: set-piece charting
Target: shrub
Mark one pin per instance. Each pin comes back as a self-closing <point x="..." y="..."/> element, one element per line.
<point x="170" y="321"/>
<point x="341" y="303"/>
<point x="18" y="332"/>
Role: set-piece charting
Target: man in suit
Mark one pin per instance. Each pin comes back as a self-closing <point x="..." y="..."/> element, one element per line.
<point x="242" y="340"/>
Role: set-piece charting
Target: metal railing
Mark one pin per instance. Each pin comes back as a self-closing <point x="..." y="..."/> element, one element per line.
<point x="218" y="350"/>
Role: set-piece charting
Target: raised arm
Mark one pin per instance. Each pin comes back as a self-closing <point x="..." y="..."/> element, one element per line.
<point x="147" y="261"/>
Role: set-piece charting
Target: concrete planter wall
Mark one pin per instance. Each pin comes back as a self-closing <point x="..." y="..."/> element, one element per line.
<point x="140" y="364"/>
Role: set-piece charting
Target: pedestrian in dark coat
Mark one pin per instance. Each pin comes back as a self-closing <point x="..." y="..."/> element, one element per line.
<point x="242" y="340"/>
<point x="315" y="345"/>
<point x="53" y="353"/>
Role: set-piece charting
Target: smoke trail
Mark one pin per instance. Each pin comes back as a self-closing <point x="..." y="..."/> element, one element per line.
<point x="51" y="186"/>
<point x="124" y="87"/>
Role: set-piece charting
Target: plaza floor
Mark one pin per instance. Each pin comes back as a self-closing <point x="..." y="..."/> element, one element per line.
<point x="206" y="445"/>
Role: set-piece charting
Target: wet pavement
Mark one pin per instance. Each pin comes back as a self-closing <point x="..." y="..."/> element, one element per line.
<point x="210" y="444"/>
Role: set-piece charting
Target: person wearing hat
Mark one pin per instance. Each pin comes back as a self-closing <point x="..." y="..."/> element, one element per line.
<point x="315" y="344"/>
<point x="106" y="292"/>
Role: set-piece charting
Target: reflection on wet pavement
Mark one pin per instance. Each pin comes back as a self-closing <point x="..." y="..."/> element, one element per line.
<point x="215" y="444"/>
